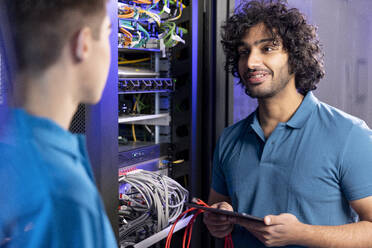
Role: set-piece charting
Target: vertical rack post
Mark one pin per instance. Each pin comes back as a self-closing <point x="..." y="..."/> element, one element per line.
<point x="102" y="131"/>
<point x="157" y="98"/>
<point x="1" y="79"/>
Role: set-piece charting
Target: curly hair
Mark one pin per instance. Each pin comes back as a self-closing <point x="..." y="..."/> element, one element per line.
<point x="299" y="39"/>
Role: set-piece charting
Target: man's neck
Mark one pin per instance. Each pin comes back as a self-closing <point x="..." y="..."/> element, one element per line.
<point x="280" y="108"/>
<point x="48" y="96"/>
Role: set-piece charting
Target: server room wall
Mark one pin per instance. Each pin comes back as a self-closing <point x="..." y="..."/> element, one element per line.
<point x="345" y="30"/>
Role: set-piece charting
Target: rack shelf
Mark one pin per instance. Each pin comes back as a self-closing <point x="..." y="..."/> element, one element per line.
<point x="155" y="120"/>
<point x="130" y="72"/>
<point x="141" y="50"/>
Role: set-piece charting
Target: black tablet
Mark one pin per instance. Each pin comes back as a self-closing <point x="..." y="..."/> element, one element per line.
<point x="225" y="212"/>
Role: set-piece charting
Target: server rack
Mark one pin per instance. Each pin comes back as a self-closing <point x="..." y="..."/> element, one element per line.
<point x="164" y="83"/>
<point x="193" y="131"/>
<point x="101" y="122"/>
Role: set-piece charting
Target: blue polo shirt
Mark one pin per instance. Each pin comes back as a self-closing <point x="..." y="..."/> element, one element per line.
<point x="310" y="166"/>
<point x="48" y="194"/>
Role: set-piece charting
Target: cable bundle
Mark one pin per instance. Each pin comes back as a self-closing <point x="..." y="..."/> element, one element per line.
<point x="145" y="1"/>
<point x="148" y="198"/>
<point x="126" y="12"/>
<point x="170" y="36"/>
<point x="188" y="231"/>
<point x="133" y="33"/>
<point x="139" y="24"/>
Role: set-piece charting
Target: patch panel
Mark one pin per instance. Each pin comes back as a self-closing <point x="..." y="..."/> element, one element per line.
<point x="155" y="165"/>
<point x="145" y="85"/>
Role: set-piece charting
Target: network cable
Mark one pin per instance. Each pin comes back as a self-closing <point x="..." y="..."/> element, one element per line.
<point x="126" y="26"/>
<point x="146" y="1"/>
<point x="137" y="20"/>
<point x="127" y="12"/>
<point x="150" y="196"/>
<point x="127" y="62"/>
<point x="170" y="36"/>
<point x="181" y="6"/>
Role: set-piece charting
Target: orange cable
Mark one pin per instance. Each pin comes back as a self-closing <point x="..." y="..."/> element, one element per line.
<point x="128" y="13"/>
<point x="128" y="36"/>
<point x="146" y="1"/>
<point x="188" y="231"/>
<point x="126" y="32"/>
<point x="174" y="226"/>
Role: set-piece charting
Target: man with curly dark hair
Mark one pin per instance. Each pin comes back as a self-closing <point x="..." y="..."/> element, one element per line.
<point x="302" y="165"/>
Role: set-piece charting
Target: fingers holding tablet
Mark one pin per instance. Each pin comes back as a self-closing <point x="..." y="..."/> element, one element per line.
<point x="218" y="225"/>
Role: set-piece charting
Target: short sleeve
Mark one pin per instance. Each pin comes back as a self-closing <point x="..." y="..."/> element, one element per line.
<point x="356" y="165"/>
<point x="218" y="177"/>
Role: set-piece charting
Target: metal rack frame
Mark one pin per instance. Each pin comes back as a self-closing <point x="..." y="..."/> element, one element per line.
<point x="102" y="119"/>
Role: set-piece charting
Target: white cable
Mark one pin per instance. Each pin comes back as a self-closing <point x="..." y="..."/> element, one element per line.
<point x="134" y="43"/>
<point x="163" y="196"/>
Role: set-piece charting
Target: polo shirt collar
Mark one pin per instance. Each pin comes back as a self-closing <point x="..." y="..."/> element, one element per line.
<point x="303" y="113"/>
<point x="298" y="120"/>
<point x="49" y="133"/>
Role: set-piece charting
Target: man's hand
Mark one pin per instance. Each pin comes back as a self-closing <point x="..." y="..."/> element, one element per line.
<point x="218" y="225"/>
<point x="277" y="230"/>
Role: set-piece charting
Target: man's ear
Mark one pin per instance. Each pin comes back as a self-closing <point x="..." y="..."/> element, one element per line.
<point x="83" y="43"/>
